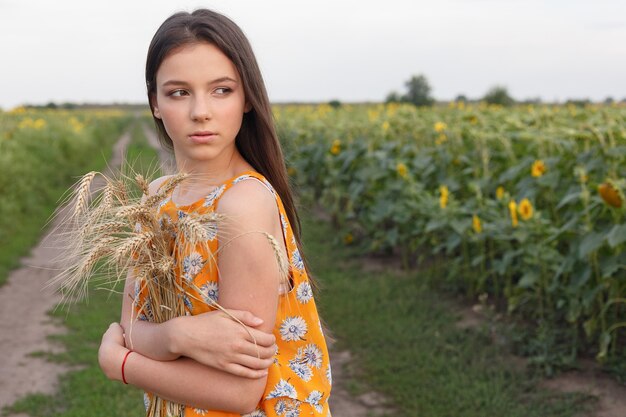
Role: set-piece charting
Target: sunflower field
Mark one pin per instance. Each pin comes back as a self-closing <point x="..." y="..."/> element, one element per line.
<point x="525" y="205"/>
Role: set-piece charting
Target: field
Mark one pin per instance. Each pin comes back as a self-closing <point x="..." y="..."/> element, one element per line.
<point x="518" y="211"/>
<point x="521" y="206"/>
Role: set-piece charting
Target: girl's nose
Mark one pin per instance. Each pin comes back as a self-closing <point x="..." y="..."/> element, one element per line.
<point x="200" y="109"/>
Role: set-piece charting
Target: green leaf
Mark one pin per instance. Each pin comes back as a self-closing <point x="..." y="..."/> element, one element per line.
<point x="568" y="199"/>
<point x="590" y="243"/>
<point x="528" y="280"/>
<point x="617" y="235"/>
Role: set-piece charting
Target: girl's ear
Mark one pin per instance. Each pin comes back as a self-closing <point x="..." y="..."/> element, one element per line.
<point x="155" y="108"/>
<point x="247" y="107"/>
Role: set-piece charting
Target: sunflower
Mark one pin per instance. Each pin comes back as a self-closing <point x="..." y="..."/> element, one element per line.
<point x="476" y="224"/>
<point x="525" y="209"/>
<point x="538" y="168"/>
<point x="443" y="198"/>
<point x="513" y="211"/>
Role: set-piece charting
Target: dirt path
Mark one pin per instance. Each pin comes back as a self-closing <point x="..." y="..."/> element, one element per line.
<point x="25" y="324"/>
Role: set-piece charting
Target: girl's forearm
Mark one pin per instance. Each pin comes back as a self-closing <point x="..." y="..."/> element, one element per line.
<point x="185" y="381"/>
<point x="153" y="340"/>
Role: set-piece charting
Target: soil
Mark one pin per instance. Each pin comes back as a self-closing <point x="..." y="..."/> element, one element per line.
<point x="25" y="301"/>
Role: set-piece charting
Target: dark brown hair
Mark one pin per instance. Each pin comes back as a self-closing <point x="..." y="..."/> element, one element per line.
<point x="257" y="140"/>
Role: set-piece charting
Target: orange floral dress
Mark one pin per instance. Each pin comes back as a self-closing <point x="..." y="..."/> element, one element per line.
<point x="299" y="381"/>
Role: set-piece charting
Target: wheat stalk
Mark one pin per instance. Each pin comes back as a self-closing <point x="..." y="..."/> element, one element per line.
<point x="126" y="234"/>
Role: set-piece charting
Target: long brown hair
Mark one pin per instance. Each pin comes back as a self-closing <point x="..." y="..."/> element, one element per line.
<point x="257" y="140"/>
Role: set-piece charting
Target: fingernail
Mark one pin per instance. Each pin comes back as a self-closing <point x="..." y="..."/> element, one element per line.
<point x="258" y="320"/>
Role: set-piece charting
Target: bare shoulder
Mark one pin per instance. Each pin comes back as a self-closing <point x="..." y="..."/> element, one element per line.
<point x="155" y="184"/>
<point x="249" y="201"/>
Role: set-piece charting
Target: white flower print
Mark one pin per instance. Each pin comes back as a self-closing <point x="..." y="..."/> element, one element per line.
<point x="293" y="412"/>
<point x="282" y="389"/>
<point x="304" y="292"/>
<point x="311" y="355"/>
<point x="284" y="222"/>
<point x="187" y="302"/>
<point x="293" y="328"/>
<point x="146" y="400"/>
<point x="200" y="411"/>
<point x="213" y="195"/>
<point x="137" y="227"/>
<point x="314" y="399"/>
<point x="164" y="202"/>
<point x="269" y="186"/>
<point x="301" y="369"/>
<point x="329" y="374"/>
<point x="280" y="407"/>
<point x="297" y="259"/>
<point x="255" y="413"/>
<point x="210" y="292"/>
<point x="241" y="178"/>
<point x="192" y="264"/>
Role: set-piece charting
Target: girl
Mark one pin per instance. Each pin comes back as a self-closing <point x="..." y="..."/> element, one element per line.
<point x="211" y="108"/>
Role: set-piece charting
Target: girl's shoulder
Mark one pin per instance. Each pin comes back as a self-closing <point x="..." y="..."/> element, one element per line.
<point x="156" y="184"/>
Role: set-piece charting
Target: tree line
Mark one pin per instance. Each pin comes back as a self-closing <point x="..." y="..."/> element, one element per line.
<point x="418" y="92"/>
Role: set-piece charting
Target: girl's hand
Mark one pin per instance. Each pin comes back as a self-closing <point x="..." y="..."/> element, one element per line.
<point x="216" y="340"/>
<point x="112" y="351"/>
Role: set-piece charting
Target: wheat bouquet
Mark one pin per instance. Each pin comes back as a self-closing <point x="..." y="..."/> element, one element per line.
<point x="118" y="232"/>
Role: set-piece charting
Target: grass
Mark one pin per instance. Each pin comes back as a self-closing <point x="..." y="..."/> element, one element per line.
<point x="403" y="336"/>
<point x="401" y="333"/>
<point x="27" y="224"/>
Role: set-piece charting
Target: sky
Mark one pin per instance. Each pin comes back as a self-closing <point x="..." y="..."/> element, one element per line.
<point x="348" y="50"/>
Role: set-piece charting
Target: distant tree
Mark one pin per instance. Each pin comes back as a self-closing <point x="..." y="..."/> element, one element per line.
<point x="418" y="91"/>
<point x="393" y="97"/>
<point x="609" y="100"/>
<point x="579" y="102"/>
<point x="499" y="95"/>
<point x="532" y="100"/>
<point x="51" y="105"/>
<point x="334" y="104"/>
<point x="461" y="98"/>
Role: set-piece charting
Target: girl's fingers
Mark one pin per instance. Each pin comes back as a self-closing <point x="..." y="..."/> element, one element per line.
<point x="245" y="372"/>
<point x="262" y="338"/>
<point x="263" y="352"/>
<point x="253" y="363"/>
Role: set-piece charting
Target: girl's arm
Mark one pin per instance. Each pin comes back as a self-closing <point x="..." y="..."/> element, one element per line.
<point x="248" y="281"/>
<point x="212" y="339"/>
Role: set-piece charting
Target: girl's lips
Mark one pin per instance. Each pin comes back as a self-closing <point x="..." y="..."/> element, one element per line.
<point x="200" y="139"/>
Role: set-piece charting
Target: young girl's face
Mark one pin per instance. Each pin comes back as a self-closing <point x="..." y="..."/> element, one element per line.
<point x="199" y="90"/>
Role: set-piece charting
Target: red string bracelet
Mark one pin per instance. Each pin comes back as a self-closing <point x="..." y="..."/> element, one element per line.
<point x="124" y="363"/>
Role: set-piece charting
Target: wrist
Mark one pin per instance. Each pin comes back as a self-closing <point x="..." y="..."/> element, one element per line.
<point x="173" y="336"/>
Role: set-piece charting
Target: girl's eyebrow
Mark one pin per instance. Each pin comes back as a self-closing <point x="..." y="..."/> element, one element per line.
<point x="217" y="80"/>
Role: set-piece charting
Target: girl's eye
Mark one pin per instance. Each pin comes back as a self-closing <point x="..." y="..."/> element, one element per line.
<point x="174" y="93"/>
<point x="225" y="89"/>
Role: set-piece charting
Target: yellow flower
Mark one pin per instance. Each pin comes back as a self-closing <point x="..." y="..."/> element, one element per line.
<point x="525" y="209"/>
<point x="39" y="124"/>
<point x="291" y="171"/>
<point x="513" y="211"/>
<point x="611" y="194"/>
<point x="440" y="127"/>
<point x="76" y="125"/>
<point x="443" y="198"/>
<point x="385" y="126"/>
<point x="336" y="148"/>
<point x="441" y="139"/>
<point x="402" y="170"/>
<point x="538" y="168"/>
<point x="348" y="238"/>
<point x="476" y="224"/>
<point x="499" y="192"/>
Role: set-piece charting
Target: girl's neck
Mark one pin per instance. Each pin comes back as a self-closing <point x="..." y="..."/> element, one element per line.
<point x="207" y="174"/>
